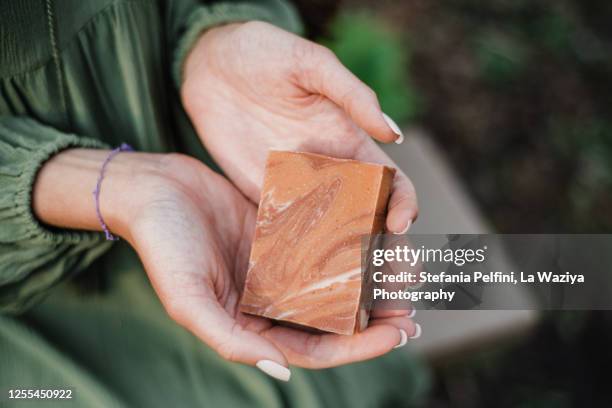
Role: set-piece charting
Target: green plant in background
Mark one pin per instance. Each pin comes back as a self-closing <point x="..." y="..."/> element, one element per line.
<point x="379" y="58"/>
<point x="501" y="56"/>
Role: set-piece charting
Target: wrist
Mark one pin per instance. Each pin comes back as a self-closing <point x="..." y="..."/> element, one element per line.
<point x="130" y="182"/>
<point x="201" y="58"/>
<point x="62" y="193"/>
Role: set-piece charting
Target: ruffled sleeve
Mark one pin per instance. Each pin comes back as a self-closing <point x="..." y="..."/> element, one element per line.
<point x="34" y="257"/>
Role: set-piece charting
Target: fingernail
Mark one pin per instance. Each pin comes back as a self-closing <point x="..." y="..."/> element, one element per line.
<point x="394" y="128"/>
<point x="273" y="369"/>
<point x="408" y="224"/>
<point x="403" y="339"/>
<point x="412" y="313"/>
<point x="417" y="331"/>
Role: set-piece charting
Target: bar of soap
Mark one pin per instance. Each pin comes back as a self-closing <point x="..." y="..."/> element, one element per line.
<point x="305" y="264"/>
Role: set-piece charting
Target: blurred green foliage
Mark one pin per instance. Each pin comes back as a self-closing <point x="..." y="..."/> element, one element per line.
<point x="501" y="58"/>
<point x="517" y="92"/>
<point x="379" y="58"/>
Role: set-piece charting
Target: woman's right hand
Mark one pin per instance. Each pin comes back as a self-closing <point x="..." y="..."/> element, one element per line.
<point x="192" y="230"/>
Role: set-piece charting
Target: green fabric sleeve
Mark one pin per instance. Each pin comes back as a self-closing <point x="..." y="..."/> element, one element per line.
<point x="189" y="19"/>
<point x="33" y="257"/>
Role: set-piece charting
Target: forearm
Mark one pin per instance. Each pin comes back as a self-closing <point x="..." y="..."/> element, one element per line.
<point x="63" y="191"/>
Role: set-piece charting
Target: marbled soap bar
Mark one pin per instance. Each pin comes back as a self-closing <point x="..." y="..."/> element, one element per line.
<point x="305" y="265"/>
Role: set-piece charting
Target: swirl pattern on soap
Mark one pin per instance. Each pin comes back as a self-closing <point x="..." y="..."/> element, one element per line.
<point x="306" y="261"/>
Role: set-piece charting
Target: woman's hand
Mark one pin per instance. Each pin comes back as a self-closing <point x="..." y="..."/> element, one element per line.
<point x="194" y="239"/>
<point x="192" y="230"/>
<point x="252" y="87"/>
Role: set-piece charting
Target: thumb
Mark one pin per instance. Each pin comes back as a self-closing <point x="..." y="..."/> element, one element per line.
<point x="210" y="322"/>
<point x="321" y="72"/>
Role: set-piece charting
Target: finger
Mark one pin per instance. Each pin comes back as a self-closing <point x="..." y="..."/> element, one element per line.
<point x="321" y="72"/>
<point x="329" y="350"/>
<point x="403" y="208"/>
<point x="388" y="270"/>
<point x="383" y="313"/>
<point x="390" y="307"/>
<point x="395" y="268"/>
<point x="231" y="340"/>
<point x="407" y="327"/>
<point x="400" y="322"/>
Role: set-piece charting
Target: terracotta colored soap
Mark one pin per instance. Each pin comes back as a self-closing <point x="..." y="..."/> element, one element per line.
<point x="305" y="264"/>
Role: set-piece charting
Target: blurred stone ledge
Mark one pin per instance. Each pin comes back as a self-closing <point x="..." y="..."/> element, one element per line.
<point x="446" y="207"/>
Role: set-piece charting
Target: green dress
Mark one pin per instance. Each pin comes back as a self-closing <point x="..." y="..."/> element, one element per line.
<point x="77" y="311"/>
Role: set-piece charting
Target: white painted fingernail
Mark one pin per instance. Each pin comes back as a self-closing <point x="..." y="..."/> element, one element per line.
<point x="417" y="331"/>
<point x="412" y="313"/>
<point x="273" y="369"/>
<point x="403" y="339"/>
<point x="394" y="128"/>
<point x="406" y="228"/>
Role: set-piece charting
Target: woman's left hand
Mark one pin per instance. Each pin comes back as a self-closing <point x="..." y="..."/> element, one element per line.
<point x="252" y="87"/>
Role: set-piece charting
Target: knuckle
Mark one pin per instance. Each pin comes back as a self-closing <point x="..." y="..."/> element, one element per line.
<point x="303" y="52"/>
<point x="309" y="53"/>
<point x="350" y="93"/>
<point x="360" y="92"/>
<point x="325" y="53"/>
<point x="226" y="348"/>
<point x="347" y="97"/>
<point x="370" y="95"/>
<point x="403" y="200"/>
<point x="227" y="351"/>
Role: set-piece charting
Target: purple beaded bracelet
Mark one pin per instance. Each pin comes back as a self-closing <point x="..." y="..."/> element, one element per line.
<point x="123" y="148"/>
